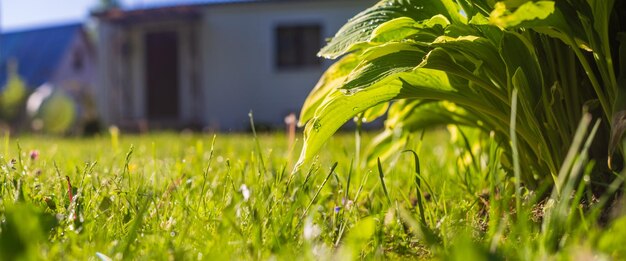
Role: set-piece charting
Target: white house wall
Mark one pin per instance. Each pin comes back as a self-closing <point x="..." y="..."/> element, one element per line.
<point x="184" y="30"/>
<point x="239" y="72"/>
<point x="105" y="75"/>
<point x="118" y="88"/>
<point x="122" y="75"/>
<point x="137" y="108"/>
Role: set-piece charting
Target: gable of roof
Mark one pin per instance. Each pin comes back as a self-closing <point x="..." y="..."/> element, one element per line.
<point x="37" y="52"/>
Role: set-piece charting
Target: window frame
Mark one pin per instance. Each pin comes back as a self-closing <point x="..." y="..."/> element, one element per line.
<point x="299" y="33"/>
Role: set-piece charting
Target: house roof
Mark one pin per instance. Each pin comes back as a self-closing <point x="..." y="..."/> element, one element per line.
<point x="167" y="3"/>
<point x="169" y="8"/>
<point x="161" y="10"/>
<point x="37" y="52"/>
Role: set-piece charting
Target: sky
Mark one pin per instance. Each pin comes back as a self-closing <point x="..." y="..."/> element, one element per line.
<point x="24" y="14"/>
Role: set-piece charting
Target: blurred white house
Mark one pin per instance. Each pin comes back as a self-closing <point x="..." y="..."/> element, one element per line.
<point x="207" y="63"/>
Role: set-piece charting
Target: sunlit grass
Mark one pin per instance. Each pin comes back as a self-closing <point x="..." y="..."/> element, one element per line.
<point x="192" y="196"/>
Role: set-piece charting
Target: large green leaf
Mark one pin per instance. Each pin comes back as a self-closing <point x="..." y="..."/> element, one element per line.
<point x="338" y="107"/>
<point x="408" y="116"/>
<point x="518" y="52"/>
<point x="359" y="29"/>
<point x="557" y="19"/>
<point x="530" y="122"/>
<point x="472" y="8"/>
<point x="425" y="114"/>
<point x="601" y="10"/>
<point x="529" y="11"/>
<point x="473" y="58"/>
<point x="330" y="81"/>
<point x="478" y="49"/>
<point x="375" y="112"/>
<point x="382" y="61"/>
<point x="403" y="28"/>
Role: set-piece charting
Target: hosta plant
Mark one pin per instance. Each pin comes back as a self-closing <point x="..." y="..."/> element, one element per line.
<point x="536" y="66"/>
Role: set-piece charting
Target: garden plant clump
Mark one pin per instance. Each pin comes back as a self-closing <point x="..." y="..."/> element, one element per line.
<point x="502" y="140"/>
<point x="528" y="71"/>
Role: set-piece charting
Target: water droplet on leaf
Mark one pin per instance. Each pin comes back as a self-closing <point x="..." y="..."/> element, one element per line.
<point x="316" y="125"/>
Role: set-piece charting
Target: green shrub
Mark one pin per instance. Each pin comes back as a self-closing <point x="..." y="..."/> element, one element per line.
<point x="13" y="94"/>
<point x="478" y="63"/>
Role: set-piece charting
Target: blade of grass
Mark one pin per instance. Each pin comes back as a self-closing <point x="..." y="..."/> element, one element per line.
<point x="468" y="147"/>
<point x="257" y="143"/>
<point x="133" y="231"/>
<point x="306" y="210"/>
<point x="205" y="173"/>
<point x="345" y="204"/>
<point x="418" y="183"/>
<point x="515" y="153"/>
<point x="126" y="170"/>
<point x="291" y="177"/>
<point x="346" y="193"/>
<point x="381" y="175"/>
<point x="555" y="218"/>
<point x="363" y="181"/>
<point x="571" y="155"/>
<point x="357" y="140"/>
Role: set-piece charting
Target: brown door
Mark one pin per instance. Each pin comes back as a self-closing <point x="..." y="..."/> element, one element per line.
<point x="162" y="75"/>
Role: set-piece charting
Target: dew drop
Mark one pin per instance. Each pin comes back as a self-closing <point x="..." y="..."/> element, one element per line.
<point x="349" y="92"/>
<point x="317" y="125"/>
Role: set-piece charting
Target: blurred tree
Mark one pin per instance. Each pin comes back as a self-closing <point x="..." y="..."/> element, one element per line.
<point x="13" y="94"/>
<point x="51" y="110"/>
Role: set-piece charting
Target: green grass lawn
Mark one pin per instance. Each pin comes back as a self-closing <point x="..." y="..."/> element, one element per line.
<point x="184" y="197"/>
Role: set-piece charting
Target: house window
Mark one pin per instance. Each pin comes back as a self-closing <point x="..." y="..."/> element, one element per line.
<point x="297" y="46"/>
